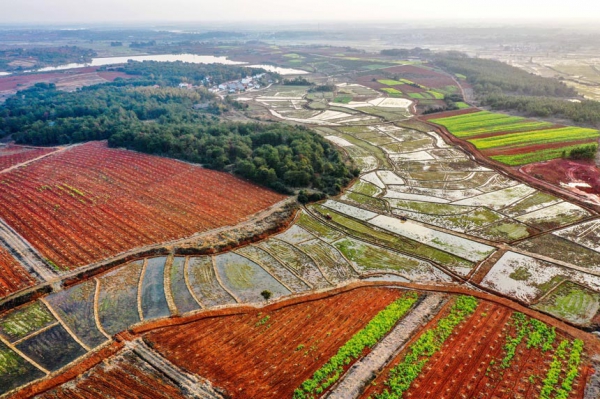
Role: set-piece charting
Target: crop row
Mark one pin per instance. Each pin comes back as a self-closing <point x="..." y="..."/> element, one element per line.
<point x="546" y="136"/>
<point x="401" y="376"/>
<point x="511" y="127"/>
<point x="537" y="155"/>
<point x="465" y="122"/>
<point x="377" y="328"/>
<point x="538" y="335"/>
<point x="551" y="382"/>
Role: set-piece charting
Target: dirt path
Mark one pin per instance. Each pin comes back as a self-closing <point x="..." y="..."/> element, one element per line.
<point x="19" y="165"/>
<point x="190" y="384"/>
<point x="25" y="254"/>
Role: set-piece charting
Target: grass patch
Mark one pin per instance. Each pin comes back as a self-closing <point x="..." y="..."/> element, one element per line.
<point x="342" y="99"/>
<point x="571" y="302"/>
<point x="390" y="82"/>
<point x="536" y="156"/>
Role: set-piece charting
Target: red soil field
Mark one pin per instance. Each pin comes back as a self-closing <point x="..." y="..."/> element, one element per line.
<point x="123" y="376"/>
<point x="12" y="155"/>
<point x="268" y="355"/>
<point x="12" y="275"/>
<point x="567" y="171"/>
<point x="14" y="82"/>
<point x="90" y="202"/>
<point x="463" y="368"/>
<point x="422" y="76"/>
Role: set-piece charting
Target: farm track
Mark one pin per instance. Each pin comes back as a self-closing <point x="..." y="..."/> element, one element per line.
<point x="190" y="384"/>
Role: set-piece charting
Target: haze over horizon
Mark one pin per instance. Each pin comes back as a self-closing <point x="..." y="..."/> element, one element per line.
<point x="137" y="11"/>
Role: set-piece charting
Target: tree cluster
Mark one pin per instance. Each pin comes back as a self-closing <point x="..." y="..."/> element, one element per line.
<point x="494" y="77"/>
<point x="584" y="112"/>
<point x="164" y="121"/>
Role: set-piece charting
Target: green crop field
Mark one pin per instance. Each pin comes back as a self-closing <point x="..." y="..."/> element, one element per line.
<point x="516" y="133"/>
<point x="391" y="90"/>
<point x="534" y="156"/>
<point x="523" y="139"/>
<point x="435" y="94"/>
<point x="390" y="82"/>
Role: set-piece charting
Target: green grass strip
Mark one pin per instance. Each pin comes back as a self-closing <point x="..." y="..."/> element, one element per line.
<point x="373" y="332"/>
<point x="572" y="370"/>
<point x="537" y="156"/>
<point x="547" y="136"/>
<point x="553" y="375"/>
<point x="402" y="376"/>
<point x="512" y="127"/>
<point x="391" y="90"/>
<point x="390" y="82"/>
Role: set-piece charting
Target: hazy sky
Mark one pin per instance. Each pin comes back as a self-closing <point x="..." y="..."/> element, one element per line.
<point x="70" y="11"/>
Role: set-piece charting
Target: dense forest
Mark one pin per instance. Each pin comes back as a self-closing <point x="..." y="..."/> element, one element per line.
<point x="504" y="87"/>
<point x="584" y="112"/>
<point x="179" y="123"/>
<point x="494" y="77"/>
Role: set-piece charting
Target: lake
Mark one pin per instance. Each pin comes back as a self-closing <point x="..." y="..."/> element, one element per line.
<point x="192" y="58"/>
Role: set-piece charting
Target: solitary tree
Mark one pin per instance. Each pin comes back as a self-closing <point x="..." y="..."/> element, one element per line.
<point x="266" y="294"/>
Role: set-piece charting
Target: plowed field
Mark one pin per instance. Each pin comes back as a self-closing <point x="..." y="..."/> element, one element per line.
<point x="268" y="355"/>
<point x="12" y="276"/>
<point x="124" y="376"/>
<point x="12" y="155"/>
<point x="90" y="202"/>
<point x="468" y="364"/>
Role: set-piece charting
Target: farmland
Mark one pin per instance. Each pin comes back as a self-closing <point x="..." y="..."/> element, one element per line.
<point x="14" y="277"/>
<point x="377" y="278"/>
<point x="91" y="202"/>
<point x="514" y="140"/>
<point x="484" y="351"/>
<point x="269" y="354"/>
